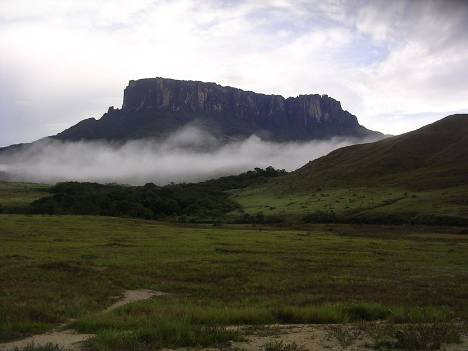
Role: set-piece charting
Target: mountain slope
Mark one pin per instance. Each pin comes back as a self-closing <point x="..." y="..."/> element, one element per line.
<point x="417" y="177"/>
<point x="156" y="107"/>
<point x="433" y="156"/>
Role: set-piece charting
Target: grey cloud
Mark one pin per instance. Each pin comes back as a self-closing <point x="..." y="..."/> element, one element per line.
<point x="437" y="23"/>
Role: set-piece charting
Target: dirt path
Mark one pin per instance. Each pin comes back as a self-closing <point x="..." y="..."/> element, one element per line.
<point x="307" y="337"/>
<point x="130" y="296"/>
<point x="69" y="339"/>
<point x="317" y="337"/>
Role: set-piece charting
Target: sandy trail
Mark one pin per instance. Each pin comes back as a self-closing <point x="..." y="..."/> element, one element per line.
<point x="69" y="339"/>
<point x="316" y="337"/>
<point x="130" y="296"/>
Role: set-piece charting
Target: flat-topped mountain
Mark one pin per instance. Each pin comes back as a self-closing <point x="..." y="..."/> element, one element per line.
<point x="156" y="107"/>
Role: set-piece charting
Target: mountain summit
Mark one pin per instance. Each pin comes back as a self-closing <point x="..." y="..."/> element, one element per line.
<point x="156" y="107"/>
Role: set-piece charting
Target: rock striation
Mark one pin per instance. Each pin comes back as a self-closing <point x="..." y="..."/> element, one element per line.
<point x="156" y="107"/>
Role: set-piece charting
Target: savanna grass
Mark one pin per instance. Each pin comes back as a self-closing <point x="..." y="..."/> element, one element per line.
<point x="73" y="267"/>
<point x="163" y="333"/>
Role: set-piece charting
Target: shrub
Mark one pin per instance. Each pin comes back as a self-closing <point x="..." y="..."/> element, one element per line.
<point x="320" y="217"/>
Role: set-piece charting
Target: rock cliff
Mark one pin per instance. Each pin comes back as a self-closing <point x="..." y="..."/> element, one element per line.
<point x="155" y="107"/>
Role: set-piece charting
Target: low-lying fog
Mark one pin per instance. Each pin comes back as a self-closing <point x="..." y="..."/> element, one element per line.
<point x="186" y="156"/>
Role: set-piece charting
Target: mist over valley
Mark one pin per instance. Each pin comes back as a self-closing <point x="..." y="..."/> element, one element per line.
<point x="188" y="155"/>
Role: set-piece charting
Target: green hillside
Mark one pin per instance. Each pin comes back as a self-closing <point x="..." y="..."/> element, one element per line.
<point x="421" y="174"/>
<point x="432" y="157"/>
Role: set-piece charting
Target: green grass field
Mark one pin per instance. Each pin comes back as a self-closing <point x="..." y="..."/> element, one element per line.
<point x="276" y="199"/>
<point x="20" y="195"/>
<point x="53" y="268"/>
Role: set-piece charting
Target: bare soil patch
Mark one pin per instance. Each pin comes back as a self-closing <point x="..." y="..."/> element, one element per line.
<point x="130" y="296"/>
<point x="315" y="337"/>
<point x="69" y="339"/>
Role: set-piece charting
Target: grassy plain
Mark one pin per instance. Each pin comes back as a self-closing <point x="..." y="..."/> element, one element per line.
<point x="17" y="196"/>
<point x="53" y="268"/>
<point x="277" y="199"/>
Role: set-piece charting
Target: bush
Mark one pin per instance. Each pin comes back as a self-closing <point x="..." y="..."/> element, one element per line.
<point x="384" y="218"/>
<point x="320" y="217"/>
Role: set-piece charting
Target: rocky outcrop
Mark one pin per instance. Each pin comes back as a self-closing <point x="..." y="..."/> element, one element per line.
<point x="158" y="106"/>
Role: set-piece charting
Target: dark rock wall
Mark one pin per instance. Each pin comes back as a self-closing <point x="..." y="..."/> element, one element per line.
<point x="159" y="106"/>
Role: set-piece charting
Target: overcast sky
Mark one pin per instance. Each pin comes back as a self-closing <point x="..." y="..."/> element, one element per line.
<point x="397" y="65"/>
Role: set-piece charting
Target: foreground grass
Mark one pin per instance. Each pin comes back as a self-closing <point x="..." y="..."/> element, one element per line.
<point x="166" y="333"/>
<point x="215" y="314"/>
<point x="391" y="336"/>
<point x="47" y="347"/>
<point x="53" y="268"/>
<point x="428" y="336"/>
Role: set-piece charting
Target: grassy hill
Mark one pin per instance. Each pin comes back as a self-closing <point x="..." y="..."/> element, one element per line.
<point x="432" y="157"/>
<point x="422" y="174"/>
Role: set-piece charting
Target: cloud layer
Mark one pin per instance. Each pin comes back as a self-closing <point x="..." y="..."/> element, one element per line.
<point x="186" y="156"/>
<point x="395" y="64"/>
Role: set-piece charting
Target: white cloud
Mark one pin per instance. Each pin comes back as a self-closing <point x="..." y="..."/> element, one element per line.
<point x="64" y="60"/>
<point x="187" y="155"/>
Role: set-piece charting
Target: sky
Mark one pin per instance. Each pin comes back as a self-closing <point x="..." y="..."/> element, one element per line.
<point x="396" y="65"/>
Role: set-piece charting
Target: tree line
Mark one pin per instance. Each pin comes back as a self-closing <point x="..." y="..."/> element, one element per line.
<point x="206" y="199"/>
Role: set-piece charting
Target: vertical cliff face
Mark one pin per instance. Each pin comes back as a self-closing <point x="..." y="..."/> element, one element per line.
<point x="159" y="106"/>
<point x="189" y="96"/>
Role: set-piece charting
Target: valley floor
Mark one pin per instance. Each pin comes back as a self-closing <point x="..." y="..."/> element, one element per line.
<point x="69" y="269"/>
